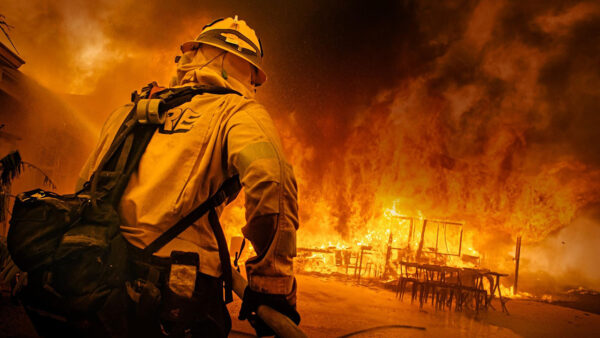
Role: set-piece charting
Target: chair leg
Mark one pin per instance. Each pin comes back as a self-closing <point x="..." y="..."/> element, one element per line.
<point x="452" y="297"/>
<point x="441" y="301"/>
<point x="459" y="300"/>
<point x="418" y="291"/>
<point x="402" y="289"/>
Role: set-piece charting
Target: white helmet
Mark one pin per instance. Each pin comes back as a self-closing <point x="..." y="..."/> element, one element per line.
<point x="234" y="36"/>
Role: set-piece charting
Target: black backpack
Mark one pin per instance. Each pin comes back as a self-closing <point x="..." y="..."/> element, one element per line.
<point x="71" y="246"/>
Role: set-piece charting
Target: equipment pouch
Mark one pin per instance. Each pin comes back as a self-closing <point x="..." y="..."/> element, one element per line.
<point x="184" y="269"/>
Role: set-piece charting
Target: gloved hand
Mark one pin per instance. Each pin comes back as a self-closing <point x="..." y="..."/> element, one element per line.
<point x="253" y="299"/>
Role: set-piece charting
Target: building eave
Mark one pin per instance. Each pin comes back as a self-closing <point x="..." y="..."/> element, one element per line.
<point x="9" y="58"/>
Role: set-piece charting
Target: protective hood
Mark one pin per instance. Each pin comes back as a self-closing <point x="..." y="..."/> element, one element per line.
<point x="194" y="68"/>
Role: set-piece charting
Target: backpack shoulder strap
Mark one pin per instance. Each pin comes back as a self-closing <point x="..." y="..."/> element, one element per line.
<point x="112" y="174"/>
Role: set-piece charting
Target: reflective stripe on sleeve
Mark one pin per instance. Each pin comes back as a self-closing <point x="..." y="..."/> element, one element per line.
<point x="253" y="152"/>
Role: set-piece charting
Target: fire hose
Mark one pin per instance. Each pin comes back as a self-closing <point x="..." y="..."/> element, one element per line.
<point x="284" y="327"/>
<point x="280" y="323"/>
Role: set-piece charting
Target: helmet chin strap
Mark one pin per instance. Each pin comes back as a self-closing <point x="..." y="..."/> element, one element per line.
<point x="223" y="71"/>
<point x="253" y="78"/>
<point x="213" y="59"/>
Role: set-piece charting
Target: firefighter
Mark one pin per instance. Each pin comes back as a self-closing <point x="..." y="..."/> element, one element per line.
<point x="201" y="144"/>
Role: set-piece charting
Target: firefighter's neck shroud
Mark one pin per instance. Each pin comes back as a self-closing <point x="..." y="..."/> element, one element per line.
<point x="204" y="66"/>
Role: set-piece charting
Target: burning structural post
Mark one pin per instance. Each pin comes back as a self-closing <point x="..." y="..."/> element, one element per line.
<point x="400" y="251"/>
<point x="517" y="258"/>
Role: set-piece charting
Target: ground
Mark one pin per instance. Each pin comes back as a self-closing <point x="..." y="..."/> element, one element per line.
<point x="333" y="308"/>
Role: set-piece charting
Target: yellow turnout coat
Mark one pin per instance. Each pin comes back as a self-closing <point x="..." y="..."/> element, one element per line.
<point x="202" y="143"/>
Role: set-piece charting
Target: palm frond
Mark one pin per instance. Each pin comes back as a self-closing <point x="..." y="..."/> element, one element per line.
<point x="47" y="179"/>
<point x="11" y="166"/>
<point x="8" y="27"/>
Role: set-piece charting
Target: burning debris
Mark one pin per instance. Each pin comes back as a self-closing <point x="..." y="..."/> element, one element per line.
<point x="429" y="260"/>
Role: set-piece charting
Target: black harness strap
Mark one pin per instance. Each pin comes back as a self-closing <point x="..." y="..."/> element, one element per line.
<point x="122" y="161"/>
<point x="229" y="188"/>
<point x="227" y="192"/>
<point x="126" y="128"/>
<point x="213" y="219"/>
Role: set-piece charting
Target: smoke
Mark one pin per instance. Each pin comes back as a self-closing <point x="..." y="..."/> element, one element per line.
<point x="566" y="257"/>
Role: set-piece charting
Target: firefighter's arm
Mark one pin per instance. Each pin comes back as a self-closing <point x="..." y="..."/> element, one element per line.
<point x="255" y="153"/>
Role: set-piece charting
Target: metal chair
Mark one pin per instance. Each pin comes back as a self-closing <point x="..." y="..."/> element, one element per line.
<point x="471" y="290"/>
<point x="409" y="273"/>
